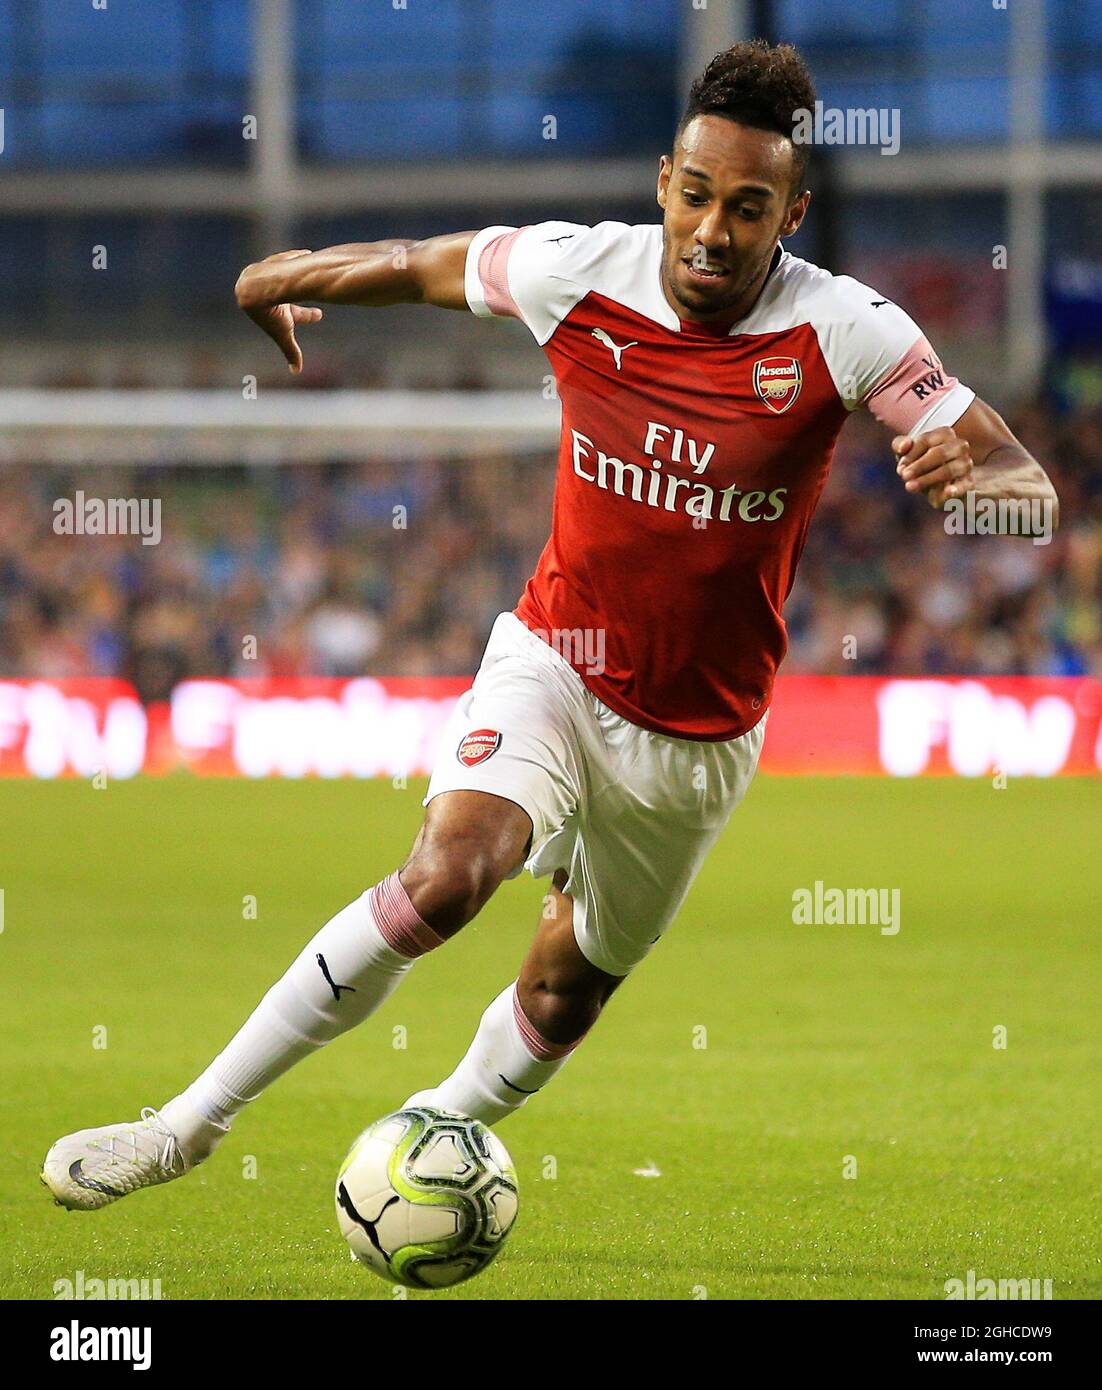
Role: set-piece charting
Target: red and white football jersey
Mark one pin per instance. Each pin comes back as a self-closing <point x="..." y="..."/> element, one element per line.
<point x="692" y="458"/>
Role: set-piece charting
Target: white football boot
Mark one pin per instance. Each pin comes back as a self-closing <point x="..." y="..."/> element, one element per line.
<point x="93" y="1167"/>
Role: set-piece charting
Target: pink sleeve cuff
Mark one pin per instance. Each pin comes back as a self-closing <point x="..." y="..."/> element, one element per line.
<point x="912" y="389"/>
<point x="493" y="275"/>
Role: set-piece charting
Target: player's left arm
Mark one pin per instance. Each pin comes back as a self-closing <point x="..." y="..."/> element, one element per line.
<point x="978" y="453"/>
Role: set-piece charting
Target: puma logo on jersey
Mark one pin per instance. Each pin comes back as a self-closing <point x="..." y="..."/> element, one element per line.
<point x="616" y="349"/>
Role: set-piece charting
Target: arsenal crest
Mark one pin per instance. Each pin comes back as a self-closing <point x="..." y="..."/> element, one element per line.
<point x="777" y="382"/>
<point x="477" y="746"/>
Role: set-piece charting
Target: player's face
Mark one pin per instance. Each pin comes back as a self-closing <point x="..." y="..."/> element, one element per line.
<point x="727" y="198"/>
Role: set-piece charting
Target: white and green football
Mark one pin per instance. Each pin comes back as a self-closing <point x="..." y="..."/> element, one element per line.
<point x="426" y="1197"/>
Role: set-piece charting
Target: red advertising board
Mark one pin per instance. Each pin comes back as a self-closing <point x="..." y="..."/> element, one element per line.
<point x="973" y="727"/>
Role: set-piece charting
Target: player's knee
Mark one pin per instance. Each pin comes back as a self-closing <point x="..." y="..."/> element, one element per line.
<point x="449" y="882"/>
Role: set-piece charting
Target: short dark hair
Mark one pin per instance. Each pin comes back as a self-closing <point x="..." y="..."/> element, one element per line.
<point x="758" y="84"/>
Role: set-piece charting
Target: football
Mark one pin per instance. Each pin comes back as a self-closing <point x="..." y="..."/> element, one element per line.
<point x="426" y="1197"/>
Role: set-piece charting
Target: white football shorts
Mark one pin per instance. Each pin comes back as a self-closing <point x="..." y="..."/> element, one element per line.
<point x="629" y="814"/>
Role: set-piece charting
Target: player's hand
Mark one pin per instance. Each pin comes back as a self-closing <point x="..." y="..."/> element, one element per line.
<point x="279" y="321"/>
<point x="938" y="463"/>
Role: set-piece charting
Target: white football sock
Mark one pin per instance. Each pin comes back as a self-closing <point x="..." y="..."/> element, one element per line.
<point x="350" y="967"/>
<point x="507" y="1061"/>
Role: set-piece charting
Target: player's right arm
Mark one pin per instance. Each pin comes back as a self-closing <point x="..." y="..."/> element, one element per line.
<point x="272" y="291"/>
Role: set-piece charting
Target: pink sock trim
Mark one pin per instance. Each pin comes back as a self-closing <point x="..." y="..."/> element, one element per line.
<point x="397" y="919"/>
<point x="541" y="1048"/>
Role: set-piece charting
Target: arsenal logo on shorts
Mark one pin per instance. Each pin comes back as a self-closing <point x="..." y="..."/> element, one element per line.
<point x="477" y="746"/>
<point x="777" y="382"/>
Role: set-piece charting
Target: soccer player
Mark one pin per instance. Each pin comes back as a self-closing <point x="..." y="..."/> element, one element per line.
<point x="618" y="713"/>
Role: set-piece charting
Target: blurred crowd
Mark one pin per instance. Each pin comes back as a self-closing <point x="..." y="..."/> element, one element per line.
<point x="341" y="570"/>
<point x="879" y="568"/>
<point x="394" y="568"/>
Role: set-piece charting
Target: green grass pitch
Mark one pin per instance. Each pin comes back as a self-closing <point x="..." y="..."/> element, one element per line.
<point x="123" y="911"/>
